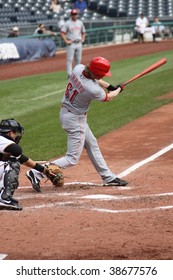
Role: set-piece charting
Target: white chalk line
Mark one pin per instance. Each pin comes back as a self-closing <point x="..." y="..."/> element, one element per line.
<point x="147" y="160"/>
<point x="40" y="195"/>
<point x="94" y="196"/>
<point x="50" y="205"/>
<point x="121" y="197"/>
<point x="47" y="95"/>
<point x="84" y="184"/>
<point x="73" y="183"/>
<point x="133" y="210"/>
<point x="79" y="204"/>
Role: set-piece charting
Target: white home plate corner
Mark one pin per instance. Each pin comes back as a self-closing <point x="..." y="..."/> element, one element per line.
<point x="2" y="256"/>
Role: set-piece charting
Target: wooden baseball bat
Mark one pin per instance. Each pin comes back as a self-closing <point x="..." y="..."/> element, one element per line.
<point x="147" y="70"/>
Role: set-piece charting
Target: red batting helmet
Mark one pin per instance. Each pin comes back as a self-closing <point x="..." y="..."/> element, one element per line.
<point x="100" y="66"/>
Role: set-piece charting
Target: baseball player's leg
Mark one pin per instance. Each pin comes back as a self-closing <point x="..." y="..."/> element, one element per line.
<point x="70" y="56"/>
<point x="78" y="54"/>
<point x="9" y="183"/>
<point x="95" y="155"/>
<point x="75" y="126"/>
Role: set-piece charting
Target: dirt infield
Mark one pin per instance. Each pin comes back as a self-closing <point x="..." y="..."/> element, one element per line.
<point x="84" y="220"/>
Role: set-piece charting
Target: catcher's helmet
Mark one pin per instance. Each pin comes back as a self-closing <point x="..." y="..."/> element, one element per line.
<point x="11" y="125"/>
<point x="100" y="66"/>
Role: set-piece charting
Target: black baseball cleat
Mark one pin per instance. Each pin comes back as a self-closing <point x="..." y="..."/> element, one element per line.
<point x="34" y="181"/>
<point x="9" y="204"/>
<point x="116" y="182"/>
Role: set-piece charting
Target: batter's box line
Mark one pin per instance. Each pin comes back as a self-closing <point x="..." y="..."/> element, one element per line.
<point x="121" y="211"/>
<point x="80" y="205"/>
<point x="81" y="201"/>
<point x="98" y="197"/>
<point x="145" y="161"/>
<point x="86" y="184"/>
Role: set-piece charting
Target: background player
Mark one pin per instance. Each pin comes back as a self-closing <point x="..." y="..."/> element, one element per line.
<point x="73" y="34"/>
<point x="85" y="85"/>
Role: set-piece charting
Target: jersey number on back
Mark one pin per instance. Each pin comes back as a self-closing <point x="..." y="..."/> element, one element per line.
<point x="70" y="93"/>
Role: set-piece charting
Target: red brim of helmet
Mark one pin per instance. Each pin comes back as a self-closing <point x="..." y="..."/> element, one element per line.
<point x="108" y="74"/>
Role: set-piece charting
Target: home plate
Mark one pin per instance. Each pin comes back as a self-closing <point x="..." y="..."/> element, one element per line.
<point x="99" y="196"/>
<point x="2" y="256"/>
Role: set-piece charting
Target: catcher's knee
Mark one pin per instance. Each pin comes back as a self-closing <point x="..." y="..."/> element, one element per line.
<point x="10" y="180"/>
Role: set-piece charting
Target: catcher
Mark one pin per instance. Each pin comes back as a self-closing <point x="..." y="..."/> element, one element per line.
<point x="11" y="157"/>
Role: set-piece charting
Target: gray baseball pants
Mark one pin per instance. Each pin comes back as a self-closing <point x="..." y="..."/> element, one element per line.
<point x="80" y="136"/>
<point x="74" y="51"/>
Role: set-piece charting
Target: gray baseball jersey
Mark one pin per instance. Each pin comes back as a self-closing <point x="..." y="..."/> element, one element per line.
<point x="73" y="29"/>
<point x="81" y="91"/>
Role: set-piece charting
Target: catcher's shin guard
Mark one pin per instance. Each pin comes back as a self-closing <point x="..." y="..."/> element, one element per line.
<point x="10" y="180"/>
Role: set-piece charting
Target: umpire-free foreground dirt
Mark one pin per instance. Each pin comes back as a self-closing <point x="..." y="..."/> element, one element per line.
<point x="84" y="221"/>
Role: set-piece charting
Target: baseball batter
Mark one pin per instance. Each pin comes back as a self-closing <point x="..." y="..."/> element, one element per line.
<point x="85" y="85"/>
<point x="73" y="34"/>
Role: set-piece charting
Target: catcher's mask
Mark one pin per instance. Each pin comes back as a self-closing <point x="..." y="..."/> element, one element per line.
<point x="100" y="67"/>
<point x="12" y="125"/>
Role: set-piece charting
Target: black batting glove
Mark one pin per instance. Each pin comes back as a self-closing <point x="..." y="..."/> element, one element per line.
<point x="111" y="87"/>
<point x="121" y="86"/>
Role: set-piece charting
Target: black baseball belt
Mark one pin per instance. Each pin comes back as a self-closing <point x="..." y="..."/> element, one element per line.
<point x="76" y="41"/>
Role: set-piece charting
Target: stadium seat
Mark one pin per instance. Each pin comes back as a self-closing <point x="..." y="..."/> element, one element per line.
<point x="102" y="7"/>
<point x="170" y="8"/>
<point x="92" y="4"/>
<point x="33" y="11"/>
<point x="49" y="14"/>
<point x="96" y="16"/>
<point x="132" y="12"/>
<point x="112" y="11"/>
<point x="21" y="2"/>
<point x="67" y="6"/>
<point x="87" y="15"/>
<point x="122" y="8"/>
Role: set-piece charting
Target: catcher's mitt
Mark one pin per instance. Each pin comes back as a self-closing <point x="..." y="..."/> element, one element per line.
<point x="55" y="175"/>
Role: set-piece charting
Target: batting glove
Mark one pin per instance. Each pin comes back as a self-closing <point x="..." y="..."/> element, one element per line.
<point x="121" y="86"/>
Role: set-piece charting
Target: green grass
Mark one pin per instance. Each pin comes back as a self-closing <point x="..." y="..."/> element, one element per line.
<point x="35" y="102"/>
